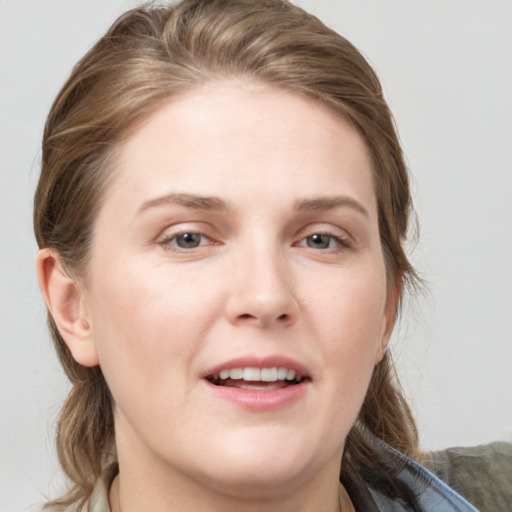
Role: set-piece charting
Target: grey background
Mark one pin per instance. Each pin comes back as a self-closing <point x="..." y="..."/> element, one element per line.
<point x="446" y="67"/>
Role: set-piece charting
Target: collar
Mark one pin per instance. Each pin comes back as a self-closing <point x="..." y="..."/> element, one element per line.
<point x="433" y="494"/>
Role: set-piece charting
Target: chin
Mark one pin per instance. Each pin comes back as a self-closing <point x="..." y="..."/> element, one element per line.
<point x="269" y="468"/>
<point x="253" y="480"/>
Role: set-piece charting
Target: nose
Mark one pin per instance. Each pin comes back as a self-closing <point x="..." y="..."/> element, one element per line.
<point x="261" y="289"/>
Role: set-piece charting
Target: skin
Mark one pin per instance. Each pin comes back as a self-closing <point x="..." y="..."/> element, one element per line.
<point x="155" y="316"/>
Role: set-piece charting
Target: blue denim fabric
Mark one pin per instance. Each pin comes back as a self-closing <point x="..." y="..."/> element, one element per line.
<point x="432" y="493"/>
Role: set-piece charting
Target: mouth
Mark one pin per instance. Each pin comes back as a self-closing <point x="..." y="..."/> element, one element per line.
<point x="257" y="383"/>
<point x="254" y="378"/>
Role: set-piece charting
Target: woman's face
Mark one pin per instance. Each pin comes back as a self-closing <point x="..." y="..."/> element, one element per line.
<point x="239" y="238"/>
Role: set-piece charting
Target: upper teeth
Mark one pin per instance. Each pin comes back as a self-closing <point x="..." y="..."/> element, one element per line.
<point x="262" y="374"/>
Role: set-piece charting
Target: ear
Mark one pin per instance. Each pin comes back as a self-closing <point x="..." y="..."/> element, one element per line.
<point x="394" y="292"/>
<point x="67" y="305"/>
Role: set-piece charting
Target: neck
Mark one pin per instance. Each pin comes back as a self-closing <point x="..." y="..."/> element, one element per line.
<point x="137" y="488"/>
<point x="147" y="481"/>
<point x="124" y="498"/>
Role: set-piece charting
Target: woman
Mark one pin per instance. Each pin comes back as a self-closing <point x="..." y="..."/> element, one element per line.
<point x="221" y="213"/>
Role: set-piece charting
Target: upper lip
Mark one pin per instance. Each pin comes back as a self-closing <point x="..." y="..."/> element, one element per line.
<point x="258" y="362"/>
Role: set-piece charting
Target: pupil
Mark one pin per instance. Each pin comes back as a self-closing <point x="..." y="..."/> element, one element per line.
<point x="188" y="240"/>
<point x="318" y="241"/>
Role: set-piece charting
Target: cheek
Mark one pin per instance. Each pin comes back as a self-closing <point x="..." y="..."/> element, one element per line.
<point x="353" y="310"/>
<point x="147" y="327"/>
<point x="350" y="321"/>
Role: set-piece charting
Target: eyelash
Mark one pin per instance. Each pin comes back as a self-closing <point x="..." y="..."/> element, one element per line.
<point x="169" y="242"/>
<point x="342" y="243"/>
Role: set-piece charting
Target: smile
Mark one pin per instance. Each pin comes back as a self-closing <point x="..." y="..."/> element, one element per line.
<point x="256" y="378"/>
<point x="258" y="384"/>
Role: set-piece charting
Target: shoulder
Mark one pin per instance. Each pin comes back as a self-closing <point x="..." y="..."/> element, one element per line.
<point x="98" y="500"/>
<point x="429" y="492"/>
<point x="482" y="474"/>
<point x="61" y="508"/>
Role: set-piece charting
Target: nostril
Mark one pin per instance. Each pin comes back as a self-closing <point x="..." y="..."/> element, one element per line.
<point x="247" y="316"/>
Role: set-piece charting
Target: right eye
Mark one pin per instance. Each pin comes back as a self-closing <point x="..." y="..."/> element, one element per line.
<point x="185" y="241"/>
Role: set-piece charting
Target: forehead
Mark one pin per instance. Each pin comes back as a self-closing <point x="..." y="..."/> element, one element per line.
<point x="231" y="136"/>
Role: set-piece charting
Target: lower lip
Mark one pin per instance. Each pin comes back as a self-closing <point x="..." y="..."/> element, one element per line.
<point x="260" y="400"/>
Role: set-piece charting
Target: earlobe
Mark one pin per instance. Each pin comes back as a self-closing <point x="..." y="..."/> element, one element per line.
<point x="67" y="305"/>
<point x="393" y="298"/>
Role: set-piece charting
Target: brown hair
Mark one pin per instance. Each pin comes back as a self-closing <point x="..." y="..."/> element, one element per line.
<point x="153" y="52"/>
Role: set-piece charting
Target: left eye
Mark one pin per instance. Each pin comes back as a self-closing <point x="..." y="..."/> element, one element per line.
<point x="189" y="240"/>
<point x="322" y="241"/>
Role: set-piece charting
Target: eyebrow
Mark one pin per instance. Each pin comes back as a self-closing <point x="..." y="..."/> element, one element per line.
<point x="194" y="202"/>
<point x="210" y="203"/>
<point x="330" y="202"/>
